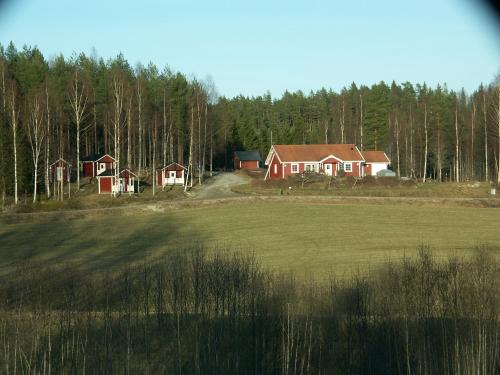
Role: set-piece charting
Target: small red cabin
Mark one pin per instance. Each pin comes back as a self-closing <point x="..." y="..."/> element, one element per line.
<point x="60" y="171"/>
<point x="106" y="181"/>
<point x="128" y="182"/>
<point x="96" y="164"/>
<point x="246" y="160"/>
<point x="172" y="174"/>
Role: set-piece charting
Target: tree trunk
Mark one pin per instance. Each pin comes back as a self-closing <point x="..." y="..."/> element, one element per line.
<point x="424" y="174"/>
<point x="486" y="175"/>
<point x="472" y="140"/>
<point x="189" y="174"/>
<point x="139" y="119"/>
<point x="397" y="145"/>
<point x="14" y="118"/>
<point x="457" y="156"/>
<point x="498" y="128"/>
<point x="164" y="130"/>
<point x="204" y="140"/>
<point x="47" y="146"/>
<point x="342" y="122"/>
<point x="361" y="120"/>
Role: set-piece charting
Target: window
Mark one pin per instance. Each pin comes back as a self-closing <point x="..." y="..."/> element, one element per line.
<point x="310" y="167"/>
<point x="102" y="166"/>
<point x="348" y="167"/>
<point x="275" y="168"/>
<point x="295" y="168"/>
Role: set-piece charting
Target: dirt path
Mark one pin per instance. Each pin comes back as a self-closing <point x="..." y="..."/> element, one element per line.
<point x="219" y="186"/>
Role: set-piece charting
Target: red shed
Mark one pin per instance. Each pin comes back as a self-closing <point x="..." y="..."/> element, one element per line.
<point x="96" y="164"/>
<point x="172" y="174"/>
<point x="106" y="181"/>
<point x="60" y="171"/>
<point x="129" y="182"/>
<point x="247" y="160"/>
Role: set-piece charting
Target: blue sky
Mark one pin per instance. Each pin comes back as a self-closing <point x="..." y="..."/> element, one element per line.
<point x="251" y="46"/>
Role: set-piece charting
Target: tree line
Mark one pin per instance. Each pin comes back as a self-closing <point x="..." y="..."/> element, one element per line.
<point x="219" y="312"/>
<point x="146" y="117"/>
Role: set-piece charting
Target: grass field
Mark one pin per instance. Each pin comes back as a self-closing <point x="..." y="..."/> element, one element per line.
<point x="307" y="238"/>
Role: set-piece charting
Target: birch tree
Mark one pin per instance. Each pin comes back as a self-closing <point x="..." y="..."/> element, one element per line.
<point x="117" y="90"/>
<point x="78" y="101"/>
<point x="14" y="122"/>
<point x="424" y="172"/>
<point x="36" y="132"/>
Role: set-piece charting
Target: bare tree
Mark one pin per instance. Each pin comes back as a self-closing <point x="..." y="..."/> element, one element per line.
<point x="424" y="174"/>
<point x="47" y="143"/>
<point x="36" y="132"/>
<point x="78" y="101"/>
<point x="117" y="120"/>
<point x="139" y="93"/>
<point x="457" y="146"/>
<point x="14" y="122"/>
<point x="498" y="129"/>
<point x="485" y="125"/>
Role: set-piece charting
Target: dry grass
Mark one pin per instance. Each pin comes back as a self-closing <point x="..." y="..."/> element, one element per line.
<point x="309" y="237"/>
<point x="369" y="187"/>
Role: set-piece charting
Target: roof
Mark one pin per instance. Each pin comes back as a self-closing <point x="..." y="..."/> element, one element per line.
<point x="129" y="171"/>
<point x="60" y="160"/>
<point x="248" y="155"/>
<point x="107" y="173"/>
<point x="315" y="153"/>
<point x="375" y="157"/>
<point x="172" y="167"/>
<point x="95" y="157"/>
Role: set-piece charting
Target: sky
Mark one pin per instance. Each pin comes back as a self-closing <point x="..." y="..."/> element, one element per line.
<point x="253" y="46"/>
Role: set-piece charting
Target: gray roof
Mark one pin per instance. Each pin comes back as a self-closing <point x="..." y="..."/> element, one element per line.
<point x="248" y="155"/>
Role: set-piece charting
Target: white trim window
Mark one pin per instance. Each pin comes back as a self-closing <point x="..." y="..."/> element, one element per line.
<point x="295" y="168"/>
<point x="348" y="167"/>
<point x="275" y="168"/>
<point x="310" y="168"/>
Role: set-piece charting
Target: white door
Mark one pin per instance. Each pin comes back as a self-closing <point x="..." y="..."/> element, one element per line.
<point x="328" y="169"/>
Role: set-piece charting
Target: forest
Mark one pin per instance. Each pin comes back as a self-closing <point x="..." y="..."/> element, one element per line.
<point x="147" y="116"/>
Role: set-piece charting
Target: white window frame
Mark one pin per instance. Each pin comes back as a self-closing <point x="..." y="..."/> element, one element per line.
<point x="296" y="166"/>
<point x="275" y="168"/>
<point x="310" y="168"/>
<point x="348" y="167"/>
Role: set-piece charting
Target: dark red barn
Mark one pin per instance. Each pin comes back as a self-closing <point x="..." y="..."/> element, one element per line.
<point x="246" y="160"/>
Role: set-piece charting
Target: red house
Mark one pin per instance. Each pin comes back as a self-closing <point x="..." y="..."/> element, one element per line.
<point x="375" y="161"/>
<point x="246" y="160"/>
<point x="172" y="174"/>
<point x="127" y="182"/>
<point x="288" y="160"/>
<point x="94" y="165"/>
<point x="60" y="171"/>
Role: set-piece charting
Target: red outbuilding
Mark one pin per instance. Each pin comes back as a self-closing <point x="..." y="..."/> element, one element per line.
<point x="172" y="174"/>
<point x="127" y="182"/>
<point x="60" y="171"/>
<point x="246" y="160"/>
<point x="96" y="164"/>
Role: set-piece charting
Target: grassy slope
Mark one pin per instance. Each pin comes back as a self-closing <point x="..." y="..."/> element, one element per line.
<point x="306" y="238"/>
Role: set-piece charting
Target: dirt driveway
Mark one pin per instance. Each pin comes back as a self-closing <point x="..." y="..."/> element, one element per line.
<point x="219" y="186"/>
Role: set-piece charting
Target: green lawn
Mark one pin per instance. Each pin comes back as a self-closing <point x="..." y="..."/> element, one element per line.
<point x="310" y="239"/>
